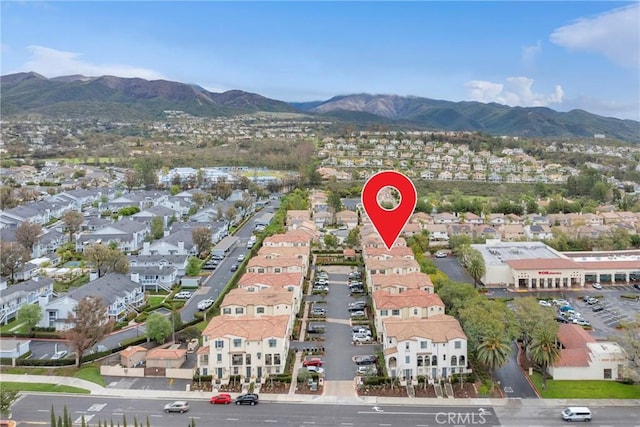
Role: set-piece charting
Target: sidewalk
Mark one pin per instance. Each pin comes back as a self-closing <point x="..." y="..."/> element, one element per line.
<point x="97" y="390"/>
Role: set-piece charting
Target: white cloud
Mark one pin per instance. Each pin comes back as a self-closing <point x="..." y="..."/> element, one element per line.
<point x="529" y="53"/>
<point x="614" y="34"/>
<point x="515" y="92"/>
<point x="53" y="63"/>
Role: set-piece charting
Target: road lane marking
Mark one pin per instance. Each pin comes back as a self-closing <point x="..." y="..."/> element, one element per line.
<point x="232" y="419"/>
<point x="270" y="421"/>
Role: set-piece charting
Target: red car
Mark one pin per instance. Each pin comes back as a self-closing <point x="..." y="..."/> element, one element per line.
<point x="312" y="362"/>
<point x="221" y="399"/>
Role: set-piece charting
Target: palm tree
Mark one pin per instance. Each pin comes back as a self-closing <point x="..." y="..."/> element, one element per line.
<point x="493" y="352"/>
<point x="544" y="351"/>
<point x="476" y="268"/>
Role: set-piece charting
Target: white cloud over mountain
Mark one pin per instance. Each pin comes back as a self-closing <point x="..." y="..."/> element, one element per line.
<point x="614" y="34"/>
<point x="517" y="91"/>
<point x="52" y="63"/>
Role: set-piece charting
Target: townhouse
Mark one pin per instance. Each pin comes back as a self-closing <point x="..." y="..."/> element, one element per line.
<point x="38" y="290"/>
<point x="399" y="283"/>
<point x="410" y="305"/>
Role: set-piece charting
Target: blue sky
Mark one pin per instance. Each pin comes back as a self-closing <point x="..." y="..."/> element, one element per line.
<point x="563" y="55"/>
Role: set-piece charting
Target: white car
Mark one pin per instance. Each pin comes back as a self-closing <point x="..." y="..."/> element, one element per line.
<point x="316" y="369"/>
<point x="441" y="254"/>
<point x="544" y="303"/>
<point x="581" y="322"/>
<point x="240" y="258"/>
<point x="359" y="313"/>
<point x="597" y="286"/>
<point x="204" y="304"/>
<point x="360" y="337"/>
<point x="182" y="295"/>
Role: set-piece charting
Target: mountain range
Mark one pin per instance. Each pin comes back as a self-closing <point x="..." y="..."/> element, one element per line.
<point x="134" y="98"/>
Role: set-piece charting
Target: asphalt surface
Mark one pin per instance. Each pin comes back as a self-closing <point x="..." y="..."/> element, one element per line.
<point x="512" y="381"/>
<point x="34" y="410"/>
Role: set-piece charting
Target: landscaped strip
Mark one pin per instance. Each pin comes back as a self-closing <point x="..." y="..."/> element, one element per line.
<point x="46" y="388"/>
<point x="585" y="389"/>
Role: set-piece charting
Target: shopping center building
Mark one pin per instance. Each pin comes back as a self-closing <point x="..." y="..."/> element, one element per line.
<point x="534" y="265"/>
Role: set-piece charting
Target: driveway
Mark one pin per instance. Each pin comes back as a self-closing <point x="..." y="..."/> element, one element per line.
<point x="512" y="380"/>
<point x="450" y="266"/>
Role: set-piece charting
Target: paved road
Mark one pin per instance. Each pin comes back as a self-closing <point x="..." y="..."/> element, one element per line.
<point x="450" y="266"/>
<point x="512" y="381"/>
<point x="34" y="409"/>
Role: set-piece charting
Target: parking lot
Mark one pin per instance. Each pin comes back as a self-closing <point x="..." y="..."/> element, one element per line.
<point x="337" y="342"/>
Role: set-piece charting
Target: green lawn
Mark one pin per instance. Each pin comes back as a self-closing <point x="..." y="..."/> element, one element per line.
<point x="47" y="388"/>
<point x="91" y="373"/>
<point x="8" y="327"/>
<point x="585" y="389"/>
<point x="154" y="300"/>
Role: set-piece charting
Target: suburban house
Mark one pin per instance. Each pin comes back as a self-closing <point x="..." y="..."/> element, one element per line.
<point x="290" y="238"/>
<point x="154" y="277"/>
<point x="119" y="294"/>
<point x="252" y="347"/>
<point x="38" y="290"/>
<point x="280" y="252"/>
<point x="438" y="231"/>
<point x="129" y="235"/>
<point x="513" y="233"/>
<point x="297" y="215"/>
<point x="347" y="218"/>
<point x="538" y="232"/>
<point x="178" y="261"/>
<point x="584" y="358"/>
<point x="375" y="267"/>
<point x="435" y="347"/>
<point x="254" y="282"/>
<point x="412" y="304"/>
<point x="384" y="253"/>
<point x="322" y="219"/>
<point x="275" y="302"/>
<point x="275" y="265"/>
<point x="399" y="283"/>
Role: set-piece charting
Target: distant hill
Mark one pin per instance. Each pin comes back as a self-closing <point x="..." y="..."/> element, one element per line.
<point x="475" y="116"/>
<point x="127" y="99"/>
<point x="122" y="98"/>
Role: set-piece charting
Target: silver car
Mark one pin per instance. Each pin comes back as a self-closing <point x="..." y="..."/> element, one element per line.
<point x="177" y="406"/>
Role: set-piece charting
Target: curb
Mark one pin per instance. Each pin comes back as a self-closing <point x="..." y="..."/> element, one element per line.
<point x="526" y="374"/>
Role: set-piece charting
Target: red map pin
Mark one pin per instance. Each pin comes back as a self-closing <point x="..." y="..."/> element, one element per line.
<point x="389" y="222"/>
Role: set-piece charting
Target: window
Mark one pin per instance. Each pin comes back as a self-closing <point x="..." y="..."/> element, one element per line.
<point x="237" y="342"/>
<point x="219" y="357"/>
<point x="259" y="355"/>
<point x="424" y="344"/>
<point x="427" y="361"/>
<point x="454" y="360"/>
<point x="407" y="359"/>
<point x="462" y="361"/>
<point x="415" y="311"/>
<point x="384" y="312"/>
<point x="226" y="311"/>
<point x="276" y="359"/>
<point x="290" y="288"/>
<point x="444" y="357"/>
<point x="219" y="344"/>
<point x="247" y="359"/>
<point x="267" y="359"/>
<point x="420" y="360"/>
<point x="239" y="310"/>
<point x="457" y="344"/>
<point x="272" y="343"/>
<point x="260" y="310"/>
<point x="434" y="360"/>
<point x="395" y="312"/>
<point x="277" y="270"/>
<point x="251" y="289"/>
<point x="607" y="374"/>
<point x="236" y="359"/>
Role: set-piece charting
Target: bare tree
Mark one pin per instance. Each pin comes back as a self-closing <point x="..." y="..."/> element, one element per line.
<point x="28" y="234"/>
<point x="130" y="179"/>
<point x="90" y="325"/>
<point x="230" y="215"/>
<point x="106" y="259"/>
<point x="12" y="257"/>
<point x="202" y="239"/>
<point x="72" y="221"/>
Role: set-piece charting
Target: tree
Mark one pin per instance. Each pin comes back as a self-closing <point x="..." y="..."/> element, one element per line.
<point x="7" y="199"/>
<point x="106" y="259"/>
<point x="455" y="296"/>
<point x="628" y="338"/>
<point x="157" y="227"/>
<point x="353" y="238"/>
<point x="544" y="351"/>
<point x="72" y="221"/>
<point x="130" y="179"/>
<point x="482" y="317"/>
<point x="193" y="266"/>
<point x="476" y="268"/>
<point x="90" y="325"/>
<point x="531" y="317"/>
<point x="30" y="315"/>
<point x="201" y="237"/>
<point x="7" y="397"/>
<point x="330" y="240"/>
<point x="28" y="234"/>
<point x="493" y="352"/>
<point x="158" y="327"/>
<point x="230" y="215"/>
<point x="334" y="201"/>
<point x="12" y="257"/>
<point x="147" y="170"/>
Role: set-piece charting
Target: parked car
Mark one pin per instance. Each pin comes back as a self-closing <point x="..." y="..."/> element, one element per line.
<point x="597" y="286"/>
<point x="355" y="275"/>
<point x="247" y="399"/>
<point x="205" y="303"/>
<point x="637" y="286"/>
<point x="361" y="330"/>
<point x="59" y="355"/>
<point x="566" y="308"/>
<point x="314" y="361"/>
<point x="592" y="301"/>
<point x="441" y="254"/>
<point x="597" y="308"/>
<point x="221" y="399"/>
<point x="315" y="329"/>
<point x="360" y="337"/>
<point x="217" y="257"/>
<point x="316" y="369"/>
<point x="544" y="303"/>
<point x="358" y="304"/>
<point x="357" y="313"/>
<point x="320" y="288"/>
<point x="319" y="312"/>
<point x="182" y="295"/>
<point x="560" y="302"/>
<point x="581" y="322"/>
<point x="365" y="360"/>
<point x="561" y="319"/>
<point x="367" y="370"/>
<point x="177" y="406"/>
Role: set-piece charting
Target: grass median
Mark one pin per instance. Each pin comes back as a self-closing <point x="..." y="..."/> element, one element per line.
<point x="45" y="388"/>
<point x="585" y="389"/>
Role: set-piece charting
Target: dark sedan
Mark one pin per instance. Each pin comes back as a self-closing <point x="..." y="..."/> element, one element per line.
<point x="247" y="399"/>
